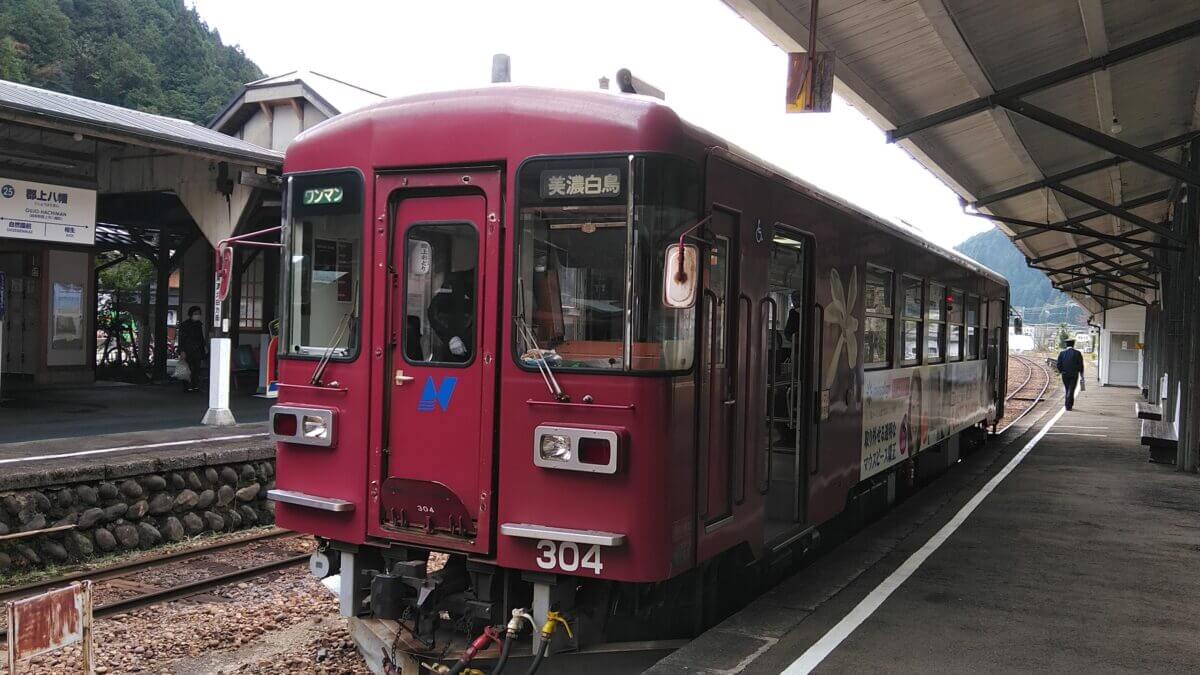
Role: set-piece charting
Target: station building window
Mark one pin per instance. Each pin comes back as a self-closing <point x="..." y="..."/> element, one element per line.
<point x="973" y="332"/>
<point x="935" y="327"/>
<point x="251" y="298"/>
<point x="877" y="326"/>
<point x="913" y="290"/>
<point x="954" y="318"/>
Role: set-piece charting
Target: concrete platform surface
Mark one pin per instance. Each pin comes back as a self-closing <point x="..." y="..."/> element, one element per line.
<point x="105" y="456"/>
<point x="1082" y="559"/>
<point x="106" y="408"/>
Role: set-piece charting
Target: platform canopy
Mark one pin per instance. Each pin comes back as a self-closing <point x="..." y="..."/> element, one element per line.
<point x="1064" y="120"/>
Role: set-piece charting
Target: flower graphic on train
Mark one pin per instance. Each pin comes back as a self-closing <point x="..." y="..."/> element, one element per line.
<point x="840" y="313"/>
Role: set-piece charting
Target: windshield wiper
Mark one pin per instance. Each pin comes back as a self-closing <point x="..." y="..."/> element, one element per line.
<point x="343" y="325"/>
<point x="543" y="366"/>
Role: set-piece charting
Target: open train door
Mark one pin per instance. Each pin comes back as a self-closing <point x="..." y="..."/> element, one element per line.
<point x="434" y="481"/>
<point x="788" y="376"/>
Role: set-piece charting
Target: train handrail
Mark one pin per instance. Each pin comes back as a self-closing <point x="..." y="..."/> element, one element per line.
<point x="818" y="354"/>
<point x="770" y="354"/>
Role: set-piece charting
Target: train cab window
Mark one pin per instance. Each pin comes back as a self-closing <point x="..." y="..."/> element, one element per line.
<point x="954" y="319"/>
<point x="440" y="292"/>
<point x="584" y="257"/>
<point x="877" y="325"/>
<point x="913" y="290"/>
<point x="973" y="332"/>
<point x="324" y="246"/>
<point x="935" y="329"/>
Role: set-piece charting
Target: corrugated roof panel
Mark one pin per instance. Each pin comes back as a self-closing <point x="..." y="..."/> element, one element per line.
<point x="132" y="123"/>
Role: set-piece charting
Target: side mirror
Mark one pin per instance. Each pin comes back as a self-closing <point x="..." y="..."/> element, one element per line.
<point x="1017" y="325"/>
<point x="681" y="277"/>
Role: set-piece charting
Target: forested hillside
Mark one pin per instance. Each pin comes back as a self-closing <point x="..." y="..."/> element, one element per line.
<point x="1031" y="290"/>
<point x="152" y="55"/>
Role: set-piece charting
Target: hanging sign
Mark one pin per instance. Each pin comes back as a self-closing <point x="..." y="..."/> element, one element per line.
<point x="45" y="212"/>
<point x="810" y="85"/>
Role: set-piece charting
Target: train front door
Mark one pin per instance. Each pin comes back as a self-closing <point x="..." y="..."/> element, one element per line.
<point x="435" y="476"/>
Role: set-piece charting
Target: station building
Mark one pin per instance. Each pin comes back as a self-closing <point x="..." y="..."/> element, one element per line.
<point x="85" y="185"/>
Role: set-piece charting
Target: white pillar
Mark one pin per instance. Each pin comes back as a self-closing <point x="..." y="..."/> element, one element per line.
<point x="219" y="414"/>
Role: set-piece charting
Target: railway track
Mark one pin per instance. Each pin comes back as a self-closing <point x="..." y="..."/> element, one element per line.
<point x="174" y="592"/>
<point x="1032" y="389"/>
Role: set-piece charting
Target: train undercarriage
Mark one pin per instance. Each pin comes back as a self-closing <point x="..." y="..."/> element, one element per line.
<point x="413" y="609"/>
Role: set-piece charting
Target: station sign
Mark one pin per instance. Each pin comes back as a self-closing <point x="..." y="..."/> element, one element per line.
<point x="46" y="212"/>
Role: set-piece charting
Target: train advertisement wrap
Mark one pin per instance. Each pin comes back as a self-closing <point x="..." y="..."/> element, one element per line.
<point x="900" y="410"/>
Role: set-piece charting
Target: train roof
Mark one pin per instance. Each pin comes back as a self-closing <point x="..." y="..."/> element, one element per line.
<point x="629" y="112"/>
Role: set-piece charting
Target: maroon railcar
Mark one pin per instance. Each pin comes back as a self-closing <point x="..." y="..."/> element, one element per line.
<point x="489" y="351"/>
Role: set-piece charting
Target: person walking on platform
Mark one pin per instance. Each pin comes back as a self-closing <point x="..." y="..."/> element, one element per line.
<point x="191" y="344"/>
<point x="1070" y="366"/>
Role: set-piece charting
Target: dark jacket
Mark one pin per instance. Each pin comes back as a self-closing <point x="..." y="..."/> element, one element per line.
<point x="191" y="337"/>
<point x="1070" y="362"/>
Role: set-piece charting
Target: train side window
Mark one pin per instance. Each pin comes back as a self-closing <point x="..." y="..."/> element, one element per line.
<point x="440" y="306"/>
<point x="973" y="316"/>
<point x="935" y="329"/>
<point x="954" y="319"/>
<point x="913" y="290"/>
<point x="877" y="325"/>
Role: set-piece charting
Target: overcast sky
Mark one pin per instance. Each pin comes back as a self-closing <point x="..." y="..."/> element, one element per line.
<point x="717" y="71"/>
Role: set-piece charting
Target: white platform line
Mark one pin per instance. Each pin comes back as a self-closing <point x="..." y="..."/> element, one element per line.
<point x="861" y="612"/>
<point x="148" y="446"/>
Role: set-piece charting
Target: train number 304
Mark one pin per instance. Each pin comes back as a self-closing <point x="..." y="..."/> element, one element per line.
<point x="566" y="556"/>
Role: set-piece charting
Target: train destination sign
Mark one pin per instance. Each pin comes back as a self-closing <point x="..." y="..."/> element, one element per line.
<point x="45" y="212"/>
<point x="568" y="183"/>
<point x="331" y="195"/>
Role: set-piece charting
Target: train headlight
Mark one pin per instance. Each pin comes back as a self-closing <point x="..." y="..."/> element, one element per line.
<point x="315" y="427"/>
<point x="303" y="426"/>
<point x="555" y="448"/>
<point x="590" y="449"/>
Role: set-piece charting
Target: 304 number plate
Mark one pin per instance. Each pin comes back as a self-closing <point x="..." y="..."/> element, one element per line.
<point x="567" y="556"/>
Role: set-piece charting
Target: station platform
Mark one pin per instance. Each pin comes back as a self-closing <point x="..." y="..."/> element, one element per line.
<point x="30" y="414"/>
<point x="1058" y="548"/>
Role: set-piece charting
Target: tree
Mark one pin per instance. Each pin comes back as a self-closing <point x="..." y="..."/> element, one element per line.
<point x="152" y="55"/>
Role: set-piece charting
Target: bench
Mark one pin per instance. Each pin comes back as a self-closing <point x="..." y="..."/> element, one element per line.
<point x="1144" y="410"/>
<point x="1147" y="411"/>
<point x="1162" y="437"/>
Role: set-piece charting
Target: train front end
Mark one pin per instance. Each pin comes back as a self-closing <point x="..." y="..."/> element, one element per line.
<point x="487" y="397"/>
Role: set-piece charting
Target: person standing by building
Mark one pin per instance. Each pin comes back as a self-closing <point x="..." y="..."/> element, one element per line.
<point x="191" y="346"/>
<point x="1070" y="366"/>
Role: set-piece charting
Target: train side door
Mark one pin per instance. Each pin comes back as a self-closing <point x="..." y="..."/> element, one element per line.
<point x="789" y="327"/>
<point x="436" y="473"/>
<point x="718" y="390"/>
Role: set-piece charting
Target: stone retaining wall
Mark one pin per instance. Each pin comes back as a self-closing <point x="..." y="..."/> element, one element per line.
<point x="138" y="511"/>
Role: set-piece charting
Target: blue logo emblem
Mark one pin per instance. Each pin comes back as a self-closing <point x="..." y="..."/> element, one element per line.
<point x="433" y="395"/>
<point x="7" y="191"/>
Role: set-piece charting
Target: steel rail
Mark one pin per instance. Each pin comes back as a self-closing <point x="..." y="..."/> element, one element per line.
<point x="1028" y="375"/>
<point x="1036" y="399"/>
<point x="121" y="569"/>
<point x="190" y="588"/>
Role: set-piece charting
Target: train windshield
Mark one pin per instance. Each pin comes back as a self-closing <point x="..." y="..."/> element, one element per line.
<point x="589" y="262"/>
<point x="324" y="245"/>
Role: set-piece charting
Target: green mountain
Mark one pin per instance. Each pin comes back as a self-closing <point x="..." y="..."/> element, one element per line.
<point x="152" y="55"/>
<point x="1031" y="291"/>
